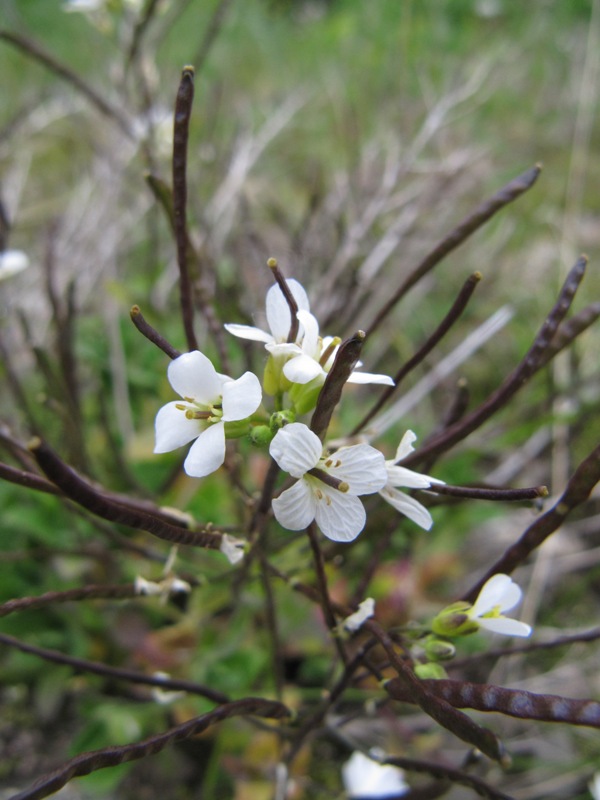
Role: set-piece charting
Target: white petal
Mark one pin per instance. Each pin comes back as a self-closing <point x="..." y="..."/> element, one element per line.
<point x="401" y="476"/>
<point x="310" y="340"/>
<point x="341" y="517"/>
<point x="12" y="262"/>
<point x="173" y="429"/>
<point x="505" y="626"/>
<point x="295" y="508"/>
<point x="296" y="449"/>
<point x="241" y="398"/>
<point x="369" y="377"/>
<point x="193" y="375"/>
<point x="284" y="349"/>
<point x="207" y="453"/>
<point x="408" y="506"/>
<point x="492" y="594"/>
<point x="302" y="369"/>
<point x="511" y="597"/>
<point x="361" y="466"/>
<point x="365" y="610"/>
<point x="364" y="778"/>
<point x="248" y="332"/>
<point x="233" y="549"/>
<point x="278" y="311"/>
<point x="405" y="447"/>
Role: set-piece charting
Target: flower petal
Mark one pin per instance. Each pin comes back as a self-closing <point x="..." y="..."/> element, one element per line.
<point x="278" y="311"/>
<point x="361" y="466"/>
<point x="302" y="369"/>
<point x="405" y="447"/>
<point x="402" y="476"/>
<point x="310" y="340"/>
<point x="207" y="453"/>
<point x="295" y="508"/>
<point x="173" y="429"/>
<point x="340" y="516"/>
<point x="408" y="506"/>
<point x="12" y="262"/>
<point x="248" y="332"/>
<point x="241" y="397"/>
<point x="369" y="377"/>
<point x="505" y="626"/>
<point x="193" y="375"/>
<point x="492" y="594"/>
<point x="296" y="449"/>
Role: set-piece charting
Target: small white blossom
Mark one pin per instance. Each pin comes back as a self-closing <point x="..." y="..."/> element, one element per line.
<point x="314" y="357"/>
<point x="210" y="400"/>
<point x="353" y="471"/>
<point x="309" y="356"/>
<point x="364" y="777"/>
<point x="164" y="696"/>
<point x="401" y="476"/>
<point x="365" y="611"/>
<point x="163" y="589"/>
<point x="497" y="595"/>
<point x="279" y="318"/>
<point x="233" y="549"/>
<point x="11" y="263"/>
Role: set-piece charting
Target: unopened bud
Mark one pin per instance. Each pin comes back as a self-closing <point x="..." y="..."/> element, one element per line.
<point x="261" y="435"/>
<point x="281" y="418"/>
<point x="454" y="621"/>
<point x="438" y="649"/>
<point x="430" y="670"/>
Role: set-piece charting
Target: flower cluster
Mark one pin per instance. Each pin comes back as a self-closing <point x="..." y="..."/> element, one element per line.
<point x="215" y="407"/>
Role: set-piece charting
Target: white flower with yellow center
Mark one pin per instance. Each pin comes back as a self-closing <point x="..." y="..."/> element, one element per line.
<point x="497" y="595"/>
<point x="209" y="401"/>
<point x="328" y="486"/>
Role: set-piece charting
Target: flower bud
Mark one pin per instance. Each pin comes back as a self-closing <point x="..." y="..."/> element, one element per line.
<point x="438" y="649"/>
<point x="430" y="670"/>
<point x="261" y="435"/>
<point x="454" y="621"/>
<point x="281" y="418"/>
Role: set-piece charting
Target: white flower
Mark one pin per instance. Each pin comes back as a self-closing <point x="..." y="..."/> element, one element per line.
<point x="365" y="778"/>
<point x="210" y="400"/>
<point x="349" y="472"/>
<point x="11" y="263"/>
<point x="164" y="696"/>
<point x="315" y="356"/>
<point x="83" y="5"/>
<point x="401" y="476"/>
<point x="309" y="356"/>
<point x="233" y="549"/>
<point x="278" y="317"/>
<point x="497" y="595"/>
<point x="366" y="609"/>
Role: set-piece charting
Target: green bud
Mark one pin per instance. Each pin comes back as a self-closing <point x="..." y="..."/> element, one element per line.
<point x="429" y="670"/>
<point x="305" y="395"/>
<point x="261" y="435"/>
<point x="281" y="418"/>
<point x="438" y="649"/>
<point x="454" y="621"/>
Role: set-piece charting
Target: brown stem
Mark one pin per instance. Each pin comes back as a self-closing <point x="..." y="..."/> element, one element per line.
<point x="463" y="230"/>
<point x="183" y="110"/>
<point x="451" y="317"/>
<point x="151" y="334"/>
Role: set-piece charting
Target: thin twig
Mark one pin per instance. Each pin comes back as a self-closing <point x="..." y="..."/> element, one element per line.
<point x="183" y="110"/>
<point x="451" y="317"/>
<point x="463" y="230"/>
<point x="151" y="334"/>
<point x="35" y="51"/>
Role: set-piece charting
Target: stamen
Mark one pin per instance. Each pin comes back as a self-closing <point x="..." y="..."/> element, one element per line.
<point x="191" y="414"/>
